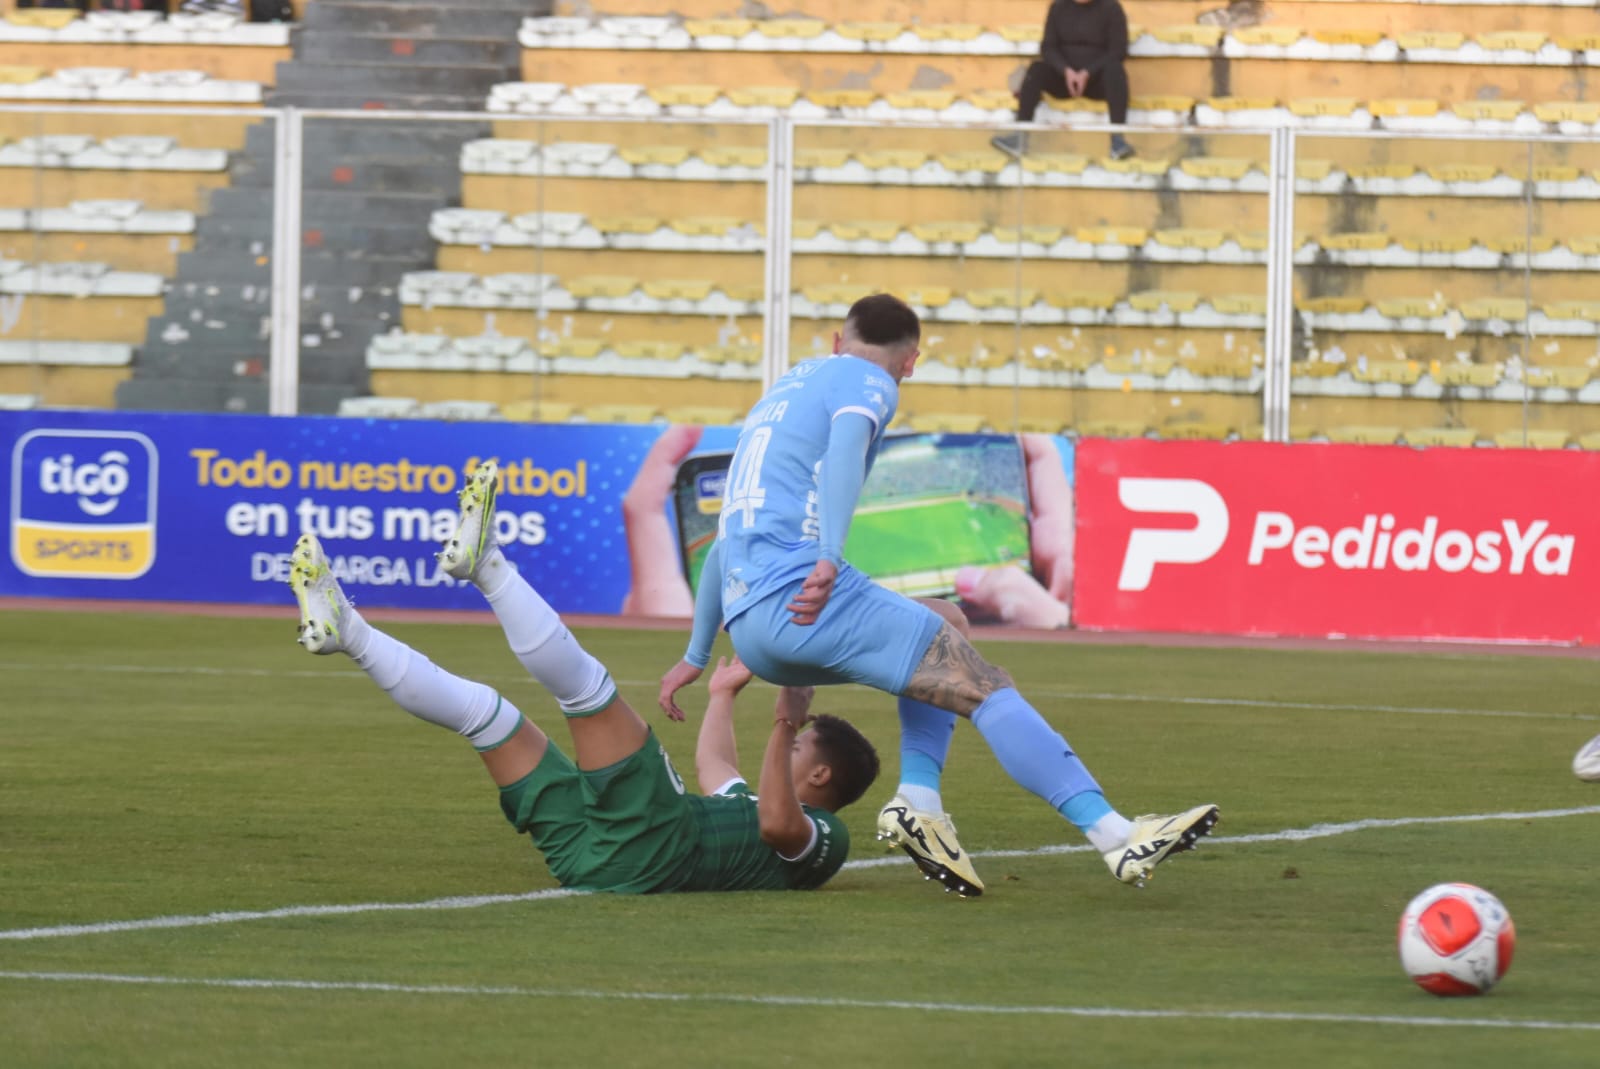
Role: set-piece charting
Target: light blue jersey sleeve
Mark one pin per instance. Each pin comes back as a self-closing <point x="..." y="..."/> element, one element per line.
<point x="707" y="608"/>
<point x="844" y="469"/>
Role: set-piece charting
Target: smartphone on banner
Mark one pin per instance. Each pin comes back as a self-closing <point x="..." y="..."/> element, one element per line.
<point x="933" y="504"/>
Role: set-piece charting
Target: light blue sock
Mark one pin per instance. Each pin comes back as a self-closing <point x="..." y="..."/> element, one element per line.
<point x="925" y="733"/>
<point x="1038" y="758"/>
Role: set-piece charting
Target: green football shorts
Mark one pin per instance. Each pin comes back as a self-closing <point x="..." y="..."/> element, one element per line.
<point x="627" y="828"/>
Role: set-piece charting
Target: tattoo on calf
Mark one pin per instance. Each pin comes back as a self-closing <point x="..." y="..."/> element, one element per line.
<point x="953" y="675"/>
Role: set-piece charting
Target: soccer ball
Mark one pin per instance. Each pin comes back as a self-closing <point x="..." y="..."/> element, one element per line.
<point x="1456" y="939"/>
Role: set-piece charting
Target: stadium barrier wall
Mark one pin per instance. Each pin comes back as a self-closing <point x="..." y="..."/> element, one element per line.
<point x="1337" y="540"/>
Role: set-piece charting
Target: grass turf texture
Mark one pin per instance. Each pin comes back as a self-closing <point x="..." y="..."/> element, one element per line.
<point x="167" y="765"/>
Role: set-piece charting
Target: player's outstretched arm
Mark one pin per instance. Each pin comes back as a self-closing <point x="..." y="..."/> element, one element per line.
<point x="784" y="824"/>
<point x="716" y="754"/>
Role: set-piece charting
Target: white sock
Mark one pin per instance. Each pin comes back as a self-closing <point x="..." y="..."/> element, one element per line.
<point x="924" y="798"/>
<point x="429" y="693"/>
<point x="1110" y="832"/>
<point x="541" y="641"/>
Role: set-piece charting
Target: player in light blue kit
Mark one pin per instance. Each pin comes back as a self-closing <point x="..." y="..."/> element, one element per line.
<point x="800" y="616"/>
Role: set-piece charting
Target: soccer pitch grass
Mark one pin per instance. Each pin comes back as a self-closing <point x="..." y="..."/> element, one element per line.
<point x="175" y="767"/>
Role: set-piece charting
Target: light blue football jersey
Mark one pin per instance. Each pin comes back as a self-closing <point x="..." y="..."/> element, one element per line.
<point x="771" y="527"/>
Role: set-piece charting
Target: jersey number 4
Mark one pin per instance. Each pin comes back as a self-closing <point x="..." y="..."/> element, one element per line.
<point x="745" y="494"/>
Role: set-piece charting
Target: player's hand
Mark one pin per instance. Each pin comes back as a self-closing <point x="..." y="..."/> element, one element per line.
<point x="730" y="677"/>
<point x="1009" y="594"/>
<point x="657" y="586"/>
<point x="794" y="705"/>
<point x="679" y="676"/>
<point x="814" y="593"/>
<point x="1077" y="82"/>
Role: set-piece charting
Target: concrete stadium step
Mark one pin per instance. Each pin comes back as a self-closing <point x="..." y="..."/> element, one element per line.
<point x="240" y="395"/>
<point x="352" y="207"/>
<point x="253" y="237"/>
<point x="201" y="361"/>
<point x="376" y="136"/>
<point x="370" y="175"/>
<point x="404" y="51"/>
<point x="354" y="268"/>
<point x="352" y="101"/>
<point x="435" y="21"/>
<point x="382" y="78"/>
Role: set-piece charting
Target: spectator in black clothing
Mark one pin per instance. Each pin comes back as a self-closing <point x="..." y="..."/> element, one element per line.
<point x="1083" y="55"/>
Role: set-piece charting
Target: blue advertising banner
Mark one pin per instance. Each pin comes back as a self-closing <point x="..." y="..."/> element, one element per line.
<point x="207" y="507"/>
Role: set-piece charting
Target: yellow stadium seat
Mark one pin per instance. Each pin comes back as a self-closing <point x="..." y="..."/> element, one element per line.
<point x="1188" y="34"/>
<point x="1312" y="170"/>
<point x="1354" y="242"/>
<point x="679" y="289"/>
<point x="1568" y="111"/>
<point x="1496" y="110"/>
<point x="1495" y="308"/>
<point x="1252" y="304"/>
<point x="13" y="75"/>
<point x="762" y="96"/>
<point x="929" y="296"/>
<point x="1076" y="104"/>
<point x="1022" y="33"/>
<point x="734" y="156"/>
<point x="1315" y="369"/>
<point x="1462" y="172"/>
<point x="1281" y="36"/>
<point x="1154" y="167"/>
<point x="1561" y="378"/>
<point x="884" y="159"/>
<point x="1112" y="428"/>
<point x="929" y="99"/>
<point x="43" y="18"/>
<point x="1533" y="439"/>
<point x="1041" y="235"/>
<point x="730" y="354"/>
<point x="1555" y="172"/>
<point x="1100" y="300"/>
<point x="1252" y="240"/>
<point x="1457" y="374"/>
<point x="587" y="286"/>
<point x="1447" y="40"/>
<point x="1586" y="310"/>
<point x="694" y="96"/>
<point x="1585" y="245"/>
<point x="1185" y="430"/>
<point x="626" y="224"/>
<point x="719" y="27"/>
<point x="1174" y="300"/>
<point x="835" y="293"/>
<point x="841" y="98"/>
<point x="1308" y="107"/>
<point x="1402" y="372"/>
<point x="1450" y="436"/>
<point x="1579" y="42"/>
<point x="958" y="232"/>
<point x="1131" y="236"/>
<point x="536" y="411"/>
<point x="866" y="229"/>
<point x="992" y="99"/>
<point x="1190" y="238"/>
<point x="1039" y="424"/>
<point x="1216" y="365"/>
<point x="1002" y="297"/>
<point x="1364" y="38"/>
<point x="791" y="29"/>
<point x="1139" y="364"/>
<point x="1331" y="305"/>
<point x="1436" y="243"/>
<point x="1163" y="102"/>
<point x="1513" y="40"/>
<point x="1215" y="167"/>
<point x="649" y="350"/>
<point x="821" y="157"/>
<point x="1393" y="171"/>
<point x="748" y="292"/>
<point x="1233" y="103"/>
<point x="1056" y="163"/>
<point x="800" y="228"/>
<point x="621" y="413"/>
<point x="1364" y="434"/>
<point x="705" y="225"/>
<point x="661" y="155"/>
<point x="706" y="415"/>
<point x="870" y="31"/>
<point x="1406" y="307"/>
<point x="1409" y="107"/>
<point x="582" y="348"/>
<point x="987" y="161"/>
<point x="947" y="31"/>
<point x="1517" y="244"/>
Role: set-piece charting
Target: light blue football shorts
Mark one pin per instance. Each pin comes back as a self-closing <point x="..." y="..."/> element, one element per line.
<point x="866" y="634"/>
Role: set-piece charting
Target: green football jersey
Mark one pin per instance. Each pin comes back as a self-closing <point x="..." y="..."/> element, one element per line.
<point x="732" y="857"/>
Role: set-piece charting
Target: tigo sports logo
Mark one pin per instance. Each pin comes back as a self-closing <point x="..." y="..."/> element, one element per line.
<point x="83" y="504"/>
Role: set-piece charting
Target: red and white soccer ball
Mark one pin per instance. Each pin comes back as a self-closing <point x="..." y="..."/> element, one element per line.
<point x="1456" y="939"/>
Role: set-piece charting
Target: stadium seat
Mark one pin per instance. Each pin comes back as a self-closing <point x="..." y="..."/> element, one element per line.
<point x="1139" y="363"/>
<point x="650" y="350"/>
<point x="1509" y="308"/>
<point x="536" y="411"/>
<point x="462" y="411"/>
<point x="1402" y="372"/>
<point x="1362" y="434"/>
<point x="588" y="286"/>
<point x="1560" y="378"/>
<point x="888" y="159"/>
<point x="1007" y="297"/>
<point x="1590" y="440"/>
<point x="380" y="407"/>
<point x="1169" y="300"/>
<point x="707" y="415"/>
<point x="1112" y="428"/>
<point x="1186" y="430"/>
<point x="1482" y="376"/>
<point x="720" y="27"/>
<point x="1533" y="439"/>
<point x="1449" y="436"/>
<point x="621" y="413"/>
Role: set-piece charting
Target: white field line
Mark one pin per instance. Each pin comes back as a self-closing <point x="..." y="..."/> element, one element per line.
<point x="1316" y="831"/>
<point x="1069" y="695"/>
<point x="801" y="1001"/>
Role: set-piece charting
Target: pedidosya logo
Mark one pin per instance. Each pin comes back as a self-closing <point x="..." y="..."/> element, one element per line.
<point x="83" y="504"/>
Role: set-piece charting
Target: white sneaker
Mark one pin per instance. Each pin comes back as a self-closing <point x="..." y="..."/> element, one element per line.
<point x="464" y="550"/>
<point x="324" y="608"/>
<point x="929" y="839"/>
<point x="1155" y="838"/>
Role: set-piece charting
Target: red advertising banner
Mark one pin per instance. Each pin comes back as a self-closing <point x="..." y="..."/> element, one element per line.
<point x="1360" y="541"/>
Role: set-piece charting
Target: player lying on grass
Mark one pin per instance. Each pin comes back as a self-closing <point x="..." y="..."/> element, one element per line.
<point x="619" y="819"/>
<point x="800" y="615"/>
